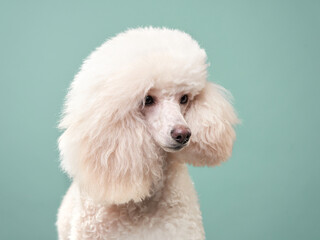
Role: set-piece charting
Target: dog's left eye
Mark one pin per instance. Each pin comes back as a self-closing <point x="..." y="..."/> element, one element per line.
<point x="184" y="99"/>
<point x="148" y="100"/>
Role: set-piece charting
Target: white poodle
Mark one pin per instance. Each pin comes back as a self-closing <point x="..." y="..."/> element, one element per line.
<point x="140" y="109"/>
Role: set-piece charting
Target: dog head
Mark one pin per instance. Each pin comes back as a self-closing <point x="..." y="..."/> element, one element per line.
<point x="139" y="97"/>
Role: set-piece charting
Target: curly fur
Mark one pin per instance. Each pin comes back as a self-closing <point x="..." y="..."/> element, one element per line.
<point x="125" y="185"/>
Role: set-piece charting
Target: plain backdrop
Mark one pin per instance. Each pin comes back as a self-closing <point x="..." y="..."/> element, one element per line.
<point x="265" y="52"/>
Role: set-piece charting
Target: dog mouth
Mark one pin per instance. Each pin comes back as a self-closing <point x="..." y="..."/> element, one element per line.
<point x="174" y="148"/>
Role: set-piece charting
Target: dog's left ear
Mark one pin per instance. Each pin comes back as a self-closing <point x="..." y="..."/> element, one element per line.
<point x="211" y="118"/>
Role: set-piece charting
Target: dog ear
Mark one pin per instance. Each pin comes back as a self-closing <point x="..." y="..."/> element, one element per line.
<point x="211" y="118"/>
<point x="106" y="147"/>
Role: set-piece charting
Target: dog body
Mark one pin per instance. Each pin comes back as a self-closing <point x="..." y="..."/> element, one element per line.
<point x="140" y="109"/>
<point x="171" y="213"/>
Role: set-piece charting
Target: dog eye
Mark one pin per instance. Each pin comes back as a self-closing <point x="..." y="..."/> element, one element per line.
<point x="148" y="100"/>
<point x="184" y="99"/>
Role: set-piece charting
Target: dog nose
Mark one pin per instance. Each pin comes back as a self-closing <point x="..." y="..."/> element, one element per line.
<point x="181" y="134"/>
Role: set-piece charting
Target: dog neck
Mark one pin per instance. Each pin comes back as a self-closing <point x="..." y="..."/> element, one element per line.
<point x="161" y="196"/>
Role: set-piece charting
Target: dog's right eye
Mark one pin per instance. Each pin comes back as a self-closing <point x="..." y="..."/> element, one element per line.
<point x="148" y="100"/>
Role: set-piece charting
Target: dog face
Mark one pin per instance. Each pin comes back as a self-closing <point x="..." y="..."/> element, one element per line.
<point x="164" y="116"/>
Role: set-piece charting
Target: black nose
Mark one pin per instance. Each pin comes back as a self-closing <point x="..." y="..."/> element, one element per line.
<point x="181" y="134"/>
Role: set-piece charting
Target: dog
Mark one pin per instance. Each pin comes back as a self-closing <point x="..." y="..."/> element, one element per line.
<point x="137" y="112"/>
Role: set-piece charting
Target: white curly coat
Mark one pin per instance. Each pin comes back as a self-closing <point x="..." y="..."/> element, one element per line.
<point x="127" y="181"/>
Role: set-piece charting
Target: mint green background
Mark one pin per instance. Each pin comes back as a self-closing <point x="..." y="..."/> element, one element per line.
<point x="265" y="52"/>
